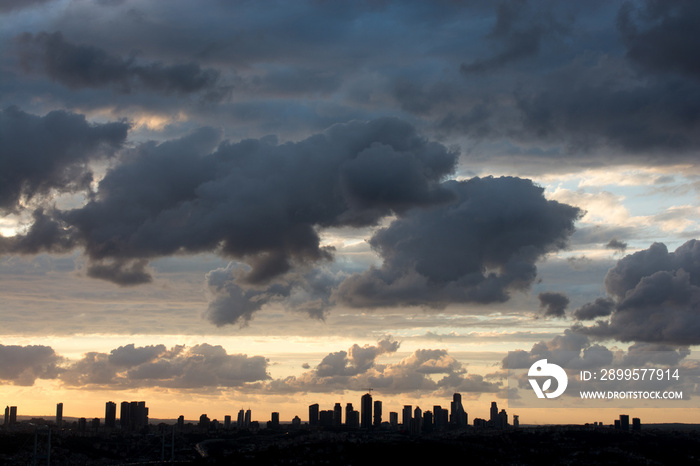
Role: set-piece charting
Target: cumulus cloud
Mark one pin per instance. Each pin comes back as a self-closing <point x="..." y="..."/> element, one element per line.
<point x="22" y="365"/>
<point x="87" y="66"/>
<point x="477" y="248"/>
<point x="574" y="352"/>
<point x="425" y="370"/>
<point x="553" y="304"/>
<point x="601" y="307"/>
<point x="39" y="154"/>
<point x="198" y="366"/>
<point x="256" y="200"/>
<point x="656" y="297"/>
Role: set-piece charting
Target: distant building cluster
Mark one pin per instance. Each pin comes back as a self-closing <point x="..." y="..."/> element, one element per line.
<point x="413" y="420"/>
<point x="133" y="417"/>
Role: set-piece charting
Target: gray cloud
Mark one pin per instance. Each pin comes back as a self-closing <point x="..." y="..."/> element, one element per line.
<point x="601" y="307"/>
<point x="358" y="368"/>
<point x="660" y="36"/>
<point x="256" y="200"/>
<point x="477" y="248"/>
<point x="199" y="366"/>
<point x="656" y="295"/>
<point x="87" y="66"/>
<point x="616" y="245"/>
<point x="554" y="304"/>
<point x="22" y="365"/>
<point x="519" y="29"/>
<point x="10" y="5"/>
<point x="39" y="154"/>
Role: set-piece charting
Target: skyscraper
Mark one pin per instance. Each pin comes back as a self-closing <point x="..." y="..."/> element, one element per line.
<point x="366" y="411"/>
<point x="417" y="421"/>
<point x="110" y="414"/>
<point x="625" y="422"/>
<point x="337" y="414"/>
<point x="240" y="420"/>
<point x="348" y="413"/>
<point x="7" y="415"/>
<point x="248" y="418"/>
<point x="407" y="415"/>
<point x="457" y="414"/>
<point x="13" y="415"/>
<point x="377" y="421"/>
<point x="494" y="414"/>
<point x="313" y="415"/>
<point x="124" y="417"/>
<point x="59" y="414"/>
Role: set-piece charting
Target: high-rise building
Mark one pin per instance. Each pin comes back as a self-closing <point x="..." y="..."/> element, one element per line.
<point x="13" y="415"/>
<point x="417" y="421"/>
<point x="427" y="421"/>
<point x="348" y="412"/>
<point x="325" y="418"/>
<point x="394" y="420"/>
<point x="110" y="415"/>
<point x="124" y="418"/>
<point x="313" y="415"/>
<point x="59" y="414"/>
<point x="180" y="423"/>
<point x="502" y="419"/>
<point x="337" y="415"/>
<point x="458" y="416"/>
<point x="516" y="421"/>
<point x="493" y="418"/>
<point x="248" y="418"/>
<point x="133" y="415"/>
<point x="366" y="411"/>
<point x="275" y="420"/>
<point x="636" y="424"/>
<point x="7" y="415"/>
<point x="227" y="422"/>
<point x="240" y="420"/>
<point x="204" y="422"/>
<point x="377" y="421"/>
<point x="624" y="422"/>
<point x="407" y="416"/>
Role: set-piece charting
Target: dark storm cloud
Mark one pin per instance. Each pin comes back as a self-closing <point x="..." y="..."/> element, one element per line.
<point x="601" y="307"/>
<point x="22" y="365"/>
<point x="617" y="245"/>
<point x="9" y="5"/>
<point x="87" y="66"/>
<point x="256" y="200"/>
<point x="554" y="304"/>
<point x="232" y="299"/>
<point x="477" y="248"/>
<point x="661" y="36"/>
<point x="519" y="29"/>
<point x="199" y="366"/>
<point x="657" y="297"/>
<point x="43" y="153"/>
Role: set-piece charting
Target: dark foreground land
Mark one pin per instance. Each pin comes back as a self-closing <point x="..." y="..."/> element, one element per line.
<point x="569" y="445"/>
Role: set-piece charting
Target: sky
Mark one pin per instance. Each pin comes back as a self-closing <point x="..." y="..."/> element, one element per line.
<point x="265" y="205"/>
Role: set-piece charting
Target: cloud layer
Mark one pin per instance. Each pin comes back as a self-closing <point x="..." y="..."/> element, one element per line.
<point x="656" y="295"/>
